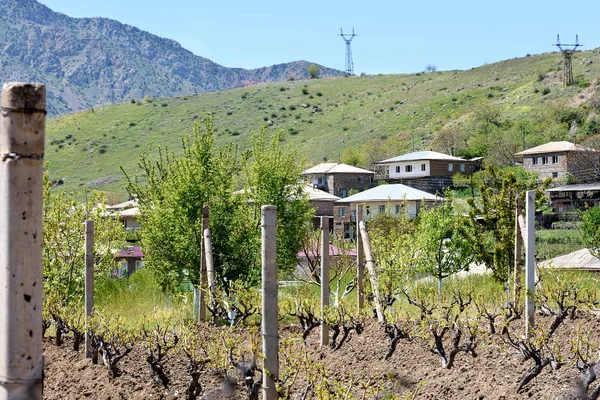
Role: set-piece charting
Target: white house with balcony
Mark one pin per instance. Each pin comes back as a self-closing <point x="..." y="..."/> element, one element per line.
<point x="426" y="170"/>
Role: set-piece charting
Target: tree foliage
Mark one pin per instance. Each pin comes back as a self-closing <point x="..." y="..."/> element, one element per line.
<point x="273" y="179"/>
<point x="590" y="230"/>
<point x="63" y="254"/>
<point x="313" y="71"/>
<point x="173" y="190"/>
<point x="494" y="239"/>
<point x="444" y="241"/>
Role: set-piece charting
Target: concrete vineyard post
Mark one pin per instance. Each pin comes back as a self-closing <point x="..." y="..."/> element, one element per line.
<point x="210" y="269"/>
<point x="89" y="282"/>
<point x="324" y="278"/>
<point x="270" y="324"/>
<point x="360" y="266"/>
<point x="370" y="264"/>
<point x="530" y="262"/>
<point x="22" y="133"/>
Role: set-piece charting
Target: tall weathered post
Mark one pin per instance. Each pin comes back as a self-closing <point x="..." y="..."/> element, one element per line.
<point x="22" y="133"/>
<point x="324" y="278"/>
<point x="530" y="262"/>
<point x="89" y="282"/>
<point x="360" y="264"/>
<point x="270" y="324"/>
<point x="202" y="286"/>
<point x="372" y="274"/>
<point x="210" y="269"/>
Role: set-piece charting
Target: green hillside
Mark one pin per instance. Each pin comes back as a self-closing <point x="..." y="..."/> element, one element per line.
<point x="321" y="118"/>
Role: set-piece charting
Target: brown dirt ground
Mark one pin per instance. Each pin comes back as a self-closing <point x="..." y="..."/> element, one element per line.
<point x="493" y="374"/>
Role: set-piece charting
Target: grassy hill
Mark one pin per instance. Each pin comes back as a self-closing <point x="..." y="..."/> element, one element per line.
<point x="320" y="118"/>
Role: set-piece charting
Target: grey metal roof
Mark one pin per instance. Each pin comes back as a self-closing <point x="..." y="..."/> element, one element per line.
<point x="580" y="260"/>
<point x="333" y="168"/>
<point x="421" y="155"/>
<point x="576" y="187"/>
<point x="394" y="192"/>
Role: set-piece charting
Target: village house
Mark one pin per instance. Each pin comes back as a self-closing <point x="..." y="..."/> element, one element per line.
<point x="569" y="198"/>
<point x="128" y="213"/>
<point x="426" y="170"/>
<point x="562" y="161"/>
<point x="338" y="179"/>
<point x="392" y="198"/>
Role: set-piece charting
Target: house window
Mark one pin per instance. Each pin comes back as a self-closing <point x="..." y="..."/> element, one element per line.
<point x="370" y="179"/>
<point x="397" y="169"/>
<point x="554" y="159"/>
<point x="382" y="208"/>
<point x="555" y="175"/>
<point x="408" y="168"/>
<point x="462" y="167"/>
<point x="423" y="167"/>
<point x="450" y="167"/>
<point x="139" y="265"/>
<point x="398" y="209"/>
<point x="368" y="210"/>
<point x="544" y="160"/>
<point x="342" y="212"/>
<point x="344" y="193"/>
<point x="361" y="179"/>
<point x="320" y="180"/>
<point x="534" y="160"/>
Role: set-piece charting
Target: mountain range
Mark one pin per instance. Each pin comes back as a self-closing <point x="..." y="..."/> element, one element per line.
<point x="85" y="62"/>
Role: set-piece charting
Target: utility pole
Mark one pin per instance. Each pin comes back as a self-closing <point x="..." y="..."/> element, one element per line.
<point x="567" y="51"/>
<point x="347" y="37"/>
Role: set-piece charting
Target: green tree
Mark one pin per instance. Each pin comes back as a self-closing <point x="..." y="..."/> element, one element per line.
<point x="590" y="230"/>
<point x="313" y="71"/>
<point x="494" y="239"/>
<point x="444" y="240"/>
<point x="394" y="250"/>
<point x="273" y="179"/>
<point x="63" y="251"/>
<point x="172" y="192"/>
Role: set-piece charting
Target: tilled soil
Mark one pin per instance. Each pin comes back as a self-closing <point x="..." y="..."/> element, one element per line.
<point x="494" y="374"/>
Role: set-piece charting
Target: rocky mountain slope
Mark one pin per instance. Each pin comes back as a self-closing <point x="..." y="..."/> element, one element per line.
<point x="90" y="61"/>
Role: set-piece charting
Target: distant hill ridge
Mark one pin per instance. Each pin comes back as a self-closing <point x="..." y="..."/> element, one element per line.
<point x="90" y="61"/>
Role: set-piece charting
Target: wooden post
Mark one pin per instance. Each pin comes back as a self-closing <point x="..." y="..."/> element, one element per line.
<point x="370" y="264"/>
<point x="201" y="297"/>
<point x="530" y="262"/>
<point x="22" y="132"/>
<point x="360" y="265"/>
<point x="270" y="323"/>
<point x="89" y="282"/>
<point x="518" y="252"/>
<point x="210" y="269"/>
<point x="324" y="278"/>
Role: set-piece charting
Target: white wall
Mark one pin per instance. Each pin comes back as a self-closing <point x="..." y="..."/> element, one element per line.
<point x="390" y="206"/>
<point x="416" y="169"/>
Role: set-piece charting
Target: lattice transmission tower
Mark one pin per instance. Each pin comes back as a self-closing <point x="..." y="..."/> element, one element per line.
<point x="567" y="50"/>
<point x="348" y="39"/>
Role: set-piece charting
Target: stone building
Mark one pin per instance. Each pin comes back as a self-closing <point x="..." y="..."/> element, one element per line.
<point x="338" y="179"/>
<point x="426" y="170"/>
<point x="562" y="161"/>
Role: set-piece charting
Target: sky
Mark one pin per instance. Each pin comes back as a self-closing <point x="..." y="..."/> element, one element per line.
<point x="392" y="36"/>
